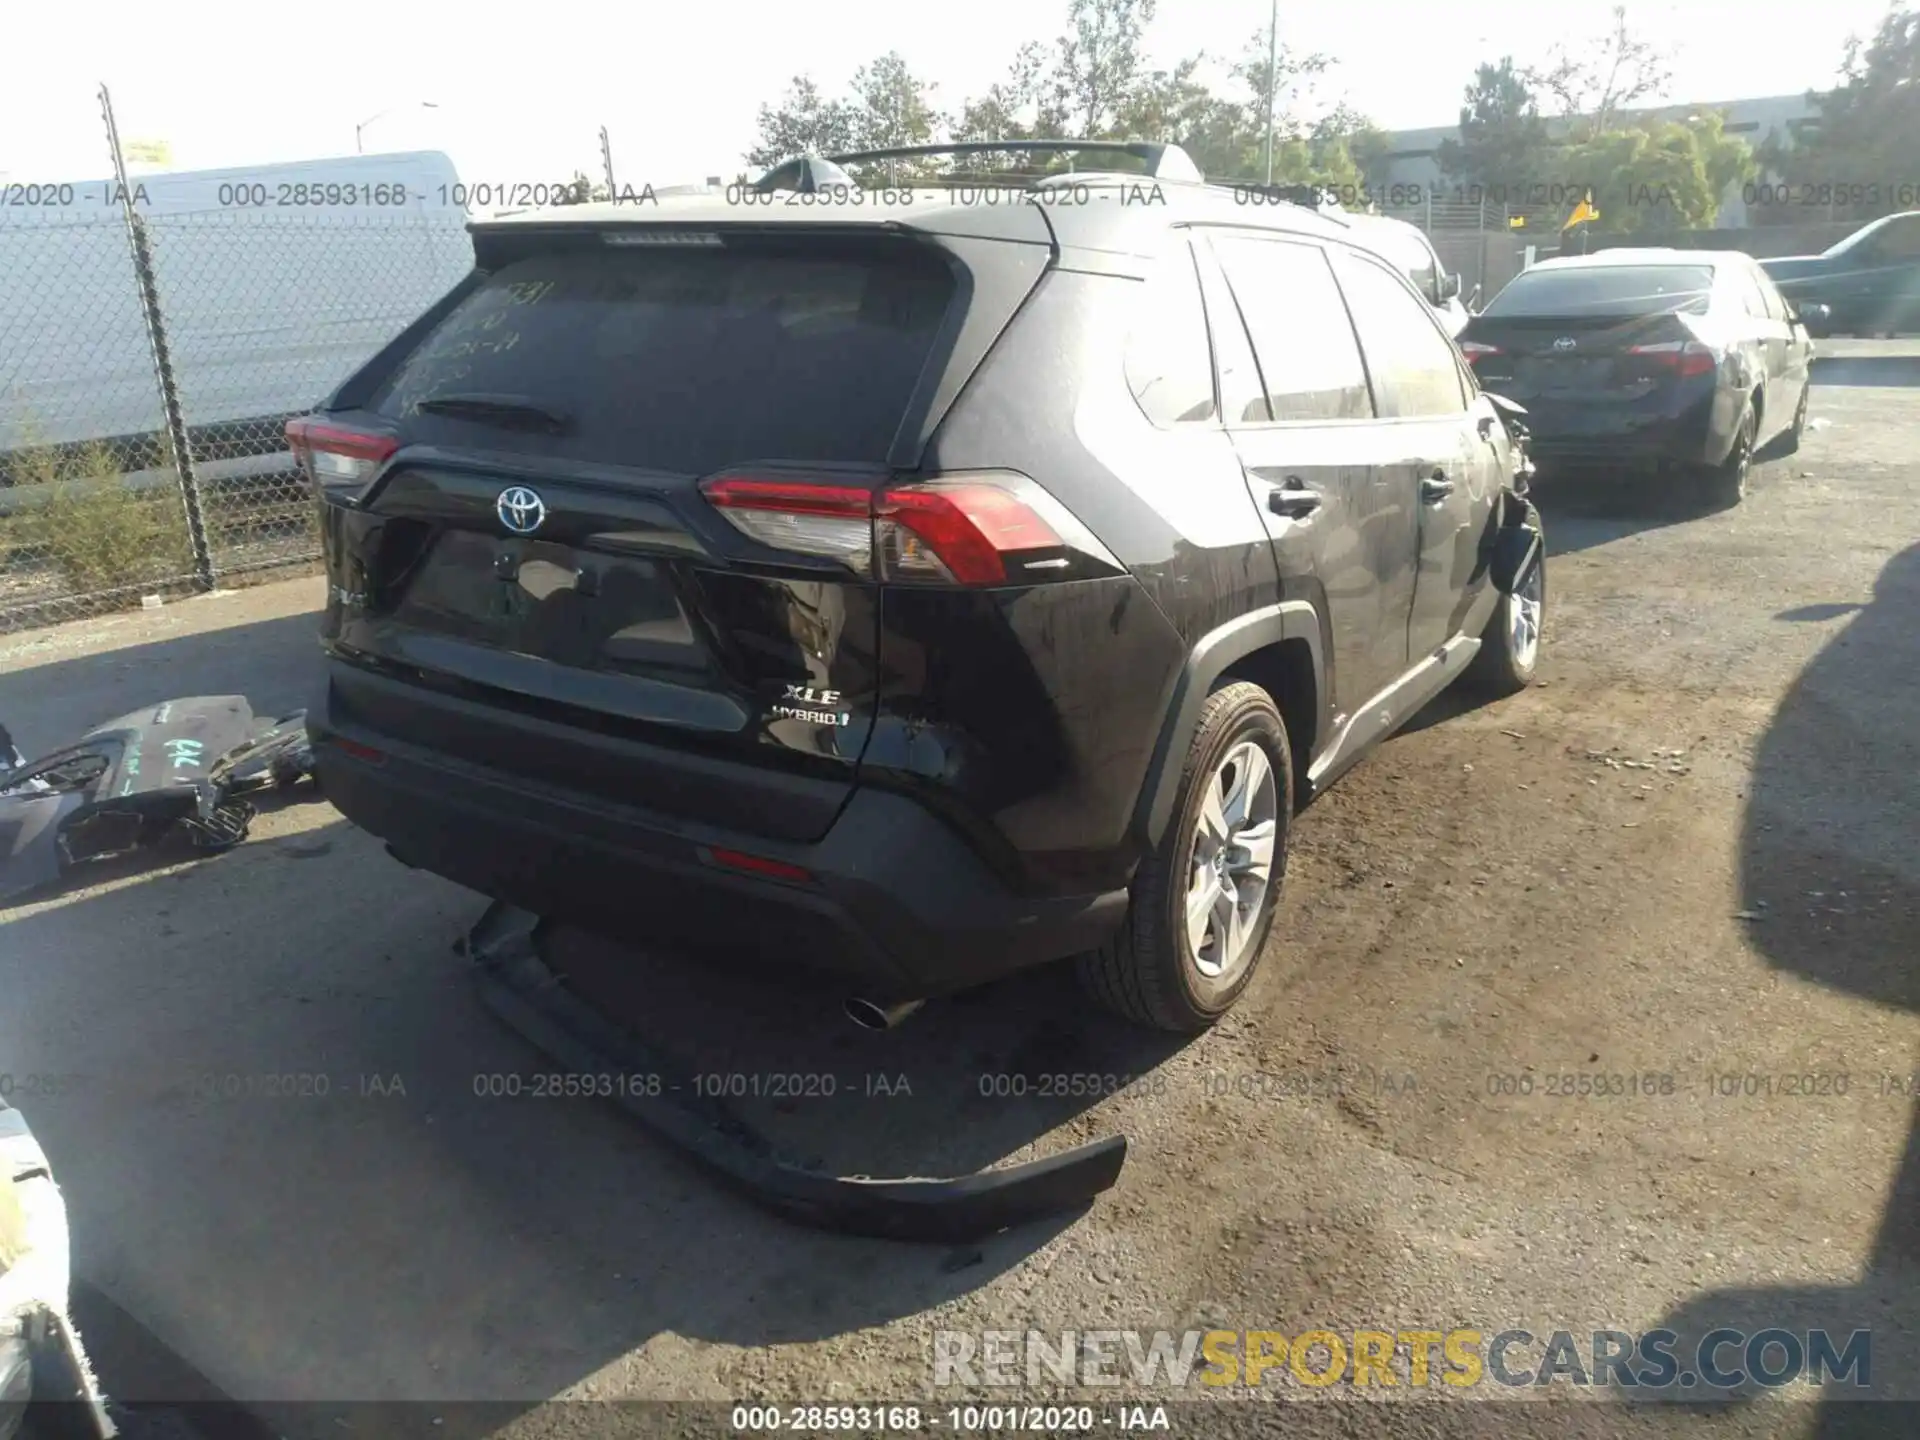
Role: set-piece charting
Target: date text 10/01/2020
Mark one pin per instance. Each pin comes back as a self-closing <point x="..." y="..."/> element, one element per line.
<point x="957" y="1419"/>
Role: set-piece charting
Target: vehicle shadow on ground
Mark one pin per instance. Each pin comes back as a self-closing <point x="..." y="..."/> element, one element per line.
<point x="1583" y="511"/>
<point x="297" y="1149"/>
<point x="1830" y="851"/>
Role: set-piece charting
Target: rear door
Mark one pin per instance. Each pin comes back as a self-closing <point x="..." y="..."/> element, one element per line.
<point x="1424" y="400"/>
<point x="1771" y="341"/>
<point x="1797" y="350"/>
<point x="541" y="543"/>
<point x="1338" y="507"/>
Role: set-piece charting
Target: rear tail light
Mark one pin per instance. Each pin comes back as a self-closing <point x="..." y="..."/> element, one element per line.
<point x="834" y="522"/>
<point x="339" y="461"/>
<point x="1678" y="357"/>
<point x="978" y="528"/>
<point x="1475" y="349"/>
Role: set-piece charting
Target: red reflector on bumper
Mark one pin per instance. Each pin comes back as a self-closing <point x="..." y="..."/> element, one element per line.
<point x="759" y="865"/>
<point x="361" y="752"/>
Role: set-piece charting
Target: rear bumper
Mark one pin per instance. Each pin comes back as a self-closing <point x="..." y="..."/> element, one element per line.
<point x="1595" y="435"/>
<point x="896" y="903"/>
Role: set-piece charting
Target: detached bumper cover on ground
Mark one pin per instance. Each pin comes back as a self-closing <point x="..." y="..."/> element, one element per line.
<point x="517" y="985"/>
<point x="174" y="768"/>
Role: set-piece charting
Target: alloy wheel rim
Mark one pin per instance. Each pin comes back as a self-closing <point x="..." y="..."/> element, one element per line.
<point x="1233" y="846"/>
<point x="1523" y="618"/>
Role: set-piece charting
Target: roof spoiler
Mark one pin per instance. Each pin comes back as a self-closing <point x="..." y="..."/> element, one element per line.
<point x="808" y="172"/>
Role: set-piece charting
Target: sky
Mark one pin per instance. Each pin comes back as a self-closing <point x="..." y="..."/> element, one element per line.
<point x="519" y="93"/>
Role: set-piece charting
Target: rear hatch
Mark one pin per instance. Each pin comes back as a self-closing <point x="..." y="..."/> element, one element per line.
<point x="1615" y="335"/>
<point x="545" y="557"/>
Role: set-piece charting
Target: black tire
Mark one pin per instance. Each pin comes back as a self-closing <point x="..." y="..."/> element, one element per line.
<point x="1148" y="972"/>
<point x="1726" y="483"/>
<point x="1504" y="665"/>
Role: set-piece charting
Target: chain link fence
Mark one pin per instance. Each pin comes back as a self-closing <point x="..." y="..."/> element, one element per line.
<point x="150" y="357"/>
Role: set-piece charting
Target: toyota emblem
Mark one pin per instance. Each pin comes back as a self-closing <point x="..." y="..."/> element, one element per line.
<point x="520" y="510"/>
<point x="1565" y="342"/>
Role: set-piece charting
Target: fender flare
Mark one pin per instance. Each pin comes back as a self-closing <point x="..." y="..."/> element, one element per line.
<point x="1215" y="653"/>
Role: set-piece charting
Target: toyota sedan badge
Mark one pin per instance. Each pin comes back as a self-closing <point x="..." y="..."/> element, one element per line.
<point x="520" y="510"/>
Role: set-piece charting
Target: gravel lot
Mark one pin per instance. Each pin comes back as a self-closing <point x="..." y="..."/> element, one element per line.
<point x="1689" y="852"/>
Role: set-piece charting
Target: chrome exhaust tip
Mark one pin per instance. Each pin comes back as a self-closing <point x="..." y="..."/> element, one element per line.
<point x="871" y="1015"/>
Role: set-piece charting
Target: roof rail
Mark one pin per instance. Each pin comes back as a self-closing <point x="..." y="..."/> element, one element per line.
<point x="1163" y="162"/>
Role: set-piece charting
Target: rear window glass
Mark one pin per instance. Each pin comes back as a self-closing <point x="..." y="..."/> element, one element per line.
<point x="1606" y="290"/>
<point x="686" y="360"/>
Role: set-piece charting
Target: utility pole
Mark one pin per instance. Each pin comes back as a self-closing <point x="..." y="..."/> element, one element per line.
<point x="1273" y="57"/>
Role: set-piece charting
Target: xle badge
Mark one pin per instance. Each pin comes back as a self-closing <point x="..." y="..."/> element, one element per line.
<point x="816" y="707"/>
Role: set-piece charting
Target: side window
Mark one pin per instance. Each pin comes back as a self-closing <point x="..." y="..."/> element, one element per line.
<point x="1769" y="295"/>
<point x="1302" y="337"/>
<point x="1747" y="290"/>
<point x="1169" y="362"/>
<point x="1414" y="366"/>
<point x="1242" y="400"/>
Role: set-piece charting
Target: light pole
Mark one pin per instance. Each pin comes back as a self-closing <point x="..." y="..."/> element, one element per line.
<point x="358" y="148"/>
<point x="1273" y="56"/>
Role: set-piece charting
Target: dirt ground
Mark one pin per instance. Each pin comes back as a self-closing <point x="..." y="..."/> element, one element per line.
<point x="1688" y="855"/>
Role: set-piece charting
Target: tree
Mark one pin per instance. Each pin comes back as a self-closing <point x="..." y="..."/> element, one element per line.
<point x="1021" y="107"/>
<point x="1860" y="148"/>
<point x="1503" y="138"/>
<point x="1098" y="64"/>
<point x="803" y="123"/>
<point x="1593" y="82"/>
<point x="890" y="106"/>
<point x="1174" y="107"/>
<point x="1663" y="176"/>
<point x="1226" y="134"/>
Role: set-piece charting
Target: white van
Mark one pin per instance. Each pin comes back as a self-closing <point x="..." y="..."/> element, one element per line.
<point x="275" y="282"/>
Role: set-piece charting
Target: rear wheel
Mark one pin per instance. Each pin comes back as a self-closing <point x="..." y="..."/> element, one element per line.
<point x="1204" y="901"/>
<point x="1726" y="483"/>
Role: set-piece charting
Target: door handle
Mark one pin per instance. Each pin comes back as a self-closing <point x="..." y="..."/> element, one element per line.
<point x="1435" y="487"/>
<point x="1294" y="501"/>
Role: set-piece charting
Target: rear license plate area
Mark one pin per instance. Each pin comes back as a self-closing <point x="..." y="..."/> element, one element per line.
<point x="535" y="597"/>
<point x="1564" y="372"/>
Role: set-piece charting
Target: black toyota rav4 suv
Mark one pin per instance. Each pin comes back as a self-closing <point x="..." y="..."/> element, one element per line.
<point x="913" y="590"/>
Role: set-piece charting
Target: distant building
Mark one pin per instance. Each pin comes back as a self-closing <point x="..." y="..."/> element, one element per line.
<point x="1413" y="155"/>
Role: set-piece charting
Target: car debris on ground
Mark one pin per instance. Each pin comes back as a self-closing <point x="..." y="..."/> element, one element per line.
<point x="178" y="770"/>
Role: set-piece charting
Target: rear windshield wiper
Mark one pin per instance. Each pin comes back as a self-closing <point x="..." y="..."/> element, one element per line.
<point x="498" y="410"/>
